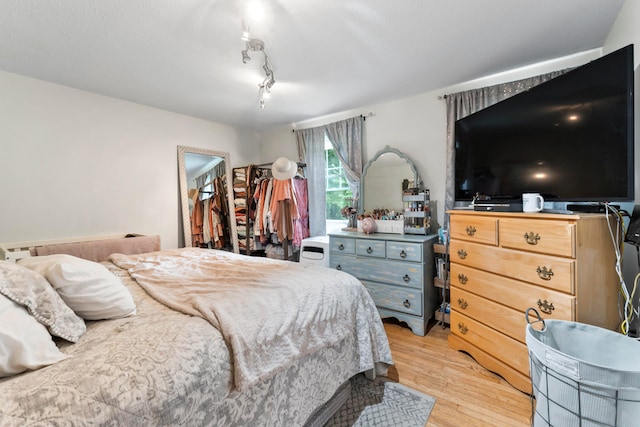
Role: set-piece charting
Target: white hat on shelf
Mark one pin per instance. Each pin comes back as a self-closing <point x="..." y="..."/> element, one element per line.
<point x="284" y="169"/>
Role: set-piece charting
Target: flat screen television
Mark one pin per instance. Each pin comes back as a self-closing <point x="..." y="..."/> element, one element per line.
<point x="570" y="139"/>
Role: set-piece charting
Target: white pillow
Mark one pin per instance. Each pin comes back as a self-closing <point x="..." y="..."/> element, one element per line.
<point x="25" y="344"/>
<point x="88" y="287"/>
<point x="32" y="291"/>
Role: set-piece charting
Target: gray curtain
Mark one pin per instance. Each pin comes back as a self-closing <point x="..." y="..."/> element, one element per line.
<point x="346" y="136"/>
<point x="311" y="152"/>
<point x="462" y="104"/>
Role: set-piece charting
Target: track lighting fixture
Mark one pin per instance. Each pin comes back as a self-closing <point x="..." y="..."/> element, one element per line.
<point x="257" y="45"/>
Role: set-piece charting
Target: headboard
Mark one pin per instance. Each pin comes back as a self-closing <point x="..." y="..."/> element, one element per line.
<point x="92" y="248"/>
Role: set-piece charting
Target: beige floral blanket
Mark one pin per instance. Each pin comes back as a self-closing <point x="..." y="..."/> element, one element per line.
<point x="270" y="312"/>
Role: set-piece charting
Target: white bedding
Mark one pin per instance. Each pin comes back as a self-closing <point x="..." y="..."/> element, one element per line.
<point x="165" y="368"/>
<point x="269" y="312"/>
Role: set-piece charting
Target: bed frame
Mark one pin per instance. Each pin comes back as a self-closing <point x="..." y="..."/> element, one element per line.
<point x="92" y="248"/>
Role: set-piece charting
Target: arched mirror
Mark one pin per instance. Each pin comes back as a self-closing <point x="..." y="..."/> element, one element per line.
<point x="384" y="177"/>
<point x="206" y="195"/>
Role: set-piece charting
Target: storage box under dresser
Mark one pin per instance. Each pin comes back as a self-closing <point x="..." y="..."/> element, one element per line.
<point x="503" y="263"/>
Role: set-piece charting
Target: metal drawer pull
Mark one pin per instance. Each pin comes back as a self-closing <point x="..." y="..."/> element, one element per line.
<point x="341" y="247"/>
<point x="462" y="254"/>
<point x="532" y="238"/>
<point x="406" y="278"/>
<point x="369" y="250"/>
<point x="546" y="307"/>
<point x="463" y="329"/>
<point x="462" y="303"/>
<point x="403" y="254"/>
<point x="338" y="267"/>
<point x="462" y="279"/>
<point x="544" y="274"/>
<point x="406" y="303"/>
<point x="471" y="230"/>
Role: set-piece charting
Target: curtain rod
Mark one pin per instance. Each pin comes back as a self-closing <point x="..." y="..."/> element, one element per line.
<point x="364" y="116"/>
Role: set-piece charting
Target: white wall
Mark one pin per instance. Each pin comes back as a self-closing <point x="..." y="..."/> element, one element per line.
<point x="76" y="164"/>
<point x="415" y="126"/>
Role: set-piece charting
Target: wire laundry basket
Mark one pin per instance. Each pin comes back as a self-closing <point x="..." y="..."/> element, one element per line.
<point x="582" y="375"/>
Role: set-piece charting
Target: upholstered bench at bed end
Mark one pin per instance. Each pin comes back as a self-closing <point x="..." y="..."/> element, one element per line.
<point x="94" y="249"/>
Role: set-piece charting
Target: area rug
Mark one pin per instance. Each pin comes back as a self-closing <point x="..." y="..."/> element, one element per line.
<point x="382" y="402"/>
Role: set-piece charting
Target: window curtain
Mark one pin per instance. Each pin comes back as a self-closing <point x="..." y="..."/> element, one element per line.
<point x="311" y="151"/>
<point x="462" y="104"/>
<point x="346" y="137"/>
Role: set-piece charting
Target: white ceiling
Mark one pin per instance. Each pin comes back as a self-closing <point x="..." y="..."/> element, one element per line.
<point x="328" y="56"/>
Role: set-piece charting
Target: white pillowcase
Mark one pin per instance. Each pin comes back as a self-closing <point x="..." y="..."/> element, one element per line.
<point x="25" y="344"/>
<point x="32" y="291"/>
<point x="88" y="287"/>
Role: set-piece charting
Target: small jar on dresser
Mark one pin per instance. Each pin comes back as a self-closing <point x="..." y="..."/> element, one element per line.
<point x="396" y="269"/>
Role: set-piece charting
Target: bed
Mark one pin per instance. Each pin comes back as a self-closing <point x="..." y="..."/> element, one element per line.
<point x="212" y="338"/>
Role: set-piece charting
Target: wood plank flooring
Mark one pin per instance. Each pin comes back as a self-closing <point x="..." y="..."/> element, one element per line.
<point x="466" y="393"/>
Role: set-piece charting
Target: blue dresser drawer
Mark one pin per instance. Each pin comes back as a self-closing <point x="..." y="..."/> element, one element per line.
<point x="392" y="272"/>
<point x="404" y="300"/>
<point x="346" y="263"/>
<point x="403" y="251"/>
<point x="370" y="247"/>
<point x="342" y="245"/>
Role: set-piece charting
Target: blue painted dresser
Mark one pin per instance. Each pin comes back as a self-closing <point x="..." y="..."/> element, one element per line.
<point x="396" y="269"/>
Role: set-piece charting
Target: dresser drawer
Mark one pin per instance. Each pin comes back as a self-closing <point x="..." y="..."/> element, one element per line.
<point x="392" y="272"/>
<point x="475" y="229"/>
<point x="398" y="298"/>
<point x="551" y="272"/>
<point x="513" y="293"/>
<point x="346" y="263"/>
<point x="492" y="342"/>
<point x="342" y="245"/>
<point x="497" y="316"/>
<point x="404" y="251"/>
<point x="371" y="248"/>
<point x="548" y="237"/>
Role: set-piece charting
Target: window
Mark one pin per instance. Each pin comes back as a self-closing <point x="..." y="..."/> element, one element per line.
<point x="338" y="193"/>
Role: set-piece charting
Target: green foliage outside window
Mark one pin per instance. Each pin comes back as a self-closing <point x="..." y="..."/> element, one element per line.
<point x="338" y="193"/>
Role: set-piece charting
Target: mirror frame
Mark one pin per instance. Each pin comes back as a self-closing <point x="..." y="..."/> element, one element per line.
<point x="385" y="150"/>
<point x="184" y="196"/>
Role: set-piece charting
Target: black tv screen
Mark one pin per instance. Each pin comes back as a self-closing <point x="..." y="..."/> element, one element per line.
<point x="570" y="138"/>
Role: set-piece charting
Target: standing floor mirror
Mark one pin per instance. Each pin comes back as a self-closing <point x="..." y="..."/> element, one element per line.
<point x="206" y="183"/>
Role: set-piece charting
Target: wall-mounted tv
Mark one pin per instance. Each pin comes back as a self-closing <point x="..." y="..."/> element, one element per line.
<point x="570" y="139"/>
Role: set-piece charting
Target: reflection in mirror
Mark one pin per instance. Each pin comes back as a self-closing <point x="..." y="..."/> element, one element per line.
<point x="208" y="217"/>
<point x="383" y="179"/>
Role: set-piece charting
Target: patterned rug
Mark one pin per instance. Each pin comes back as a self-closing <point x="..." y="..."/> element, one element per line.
<point x="382" y="402"/>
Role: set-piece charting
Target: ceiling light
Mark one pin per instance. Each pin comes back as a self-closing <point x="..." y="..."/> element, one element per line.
<point x="257" y="45"/>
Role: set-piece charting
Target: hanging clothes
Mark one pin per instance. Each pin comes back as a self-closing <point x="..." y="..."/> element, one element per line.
<point x="283" y="213"/>
<point x="301" y="225"/>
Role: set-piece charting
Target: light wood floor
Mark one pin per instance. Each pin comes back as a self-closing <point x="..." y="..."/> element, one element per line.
<point x="466" y="393"/>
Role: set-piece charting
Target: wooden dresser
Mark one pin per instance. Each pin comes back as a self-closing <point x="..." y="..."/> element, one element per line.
<point x="503" y="263"/>
<point x="396" y="269"/>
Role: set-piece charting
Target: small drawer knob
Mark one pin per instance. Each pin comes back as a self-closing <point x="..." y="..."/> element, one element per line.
<point x="341" y="247"/>
<point x="406" y="278"/>
<point x="338" y="267"/>
<point x="407" y="303"/>
<point x="544" y="273"/>
<point x="403" y="254"/>
<point x="369" y="250"/>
